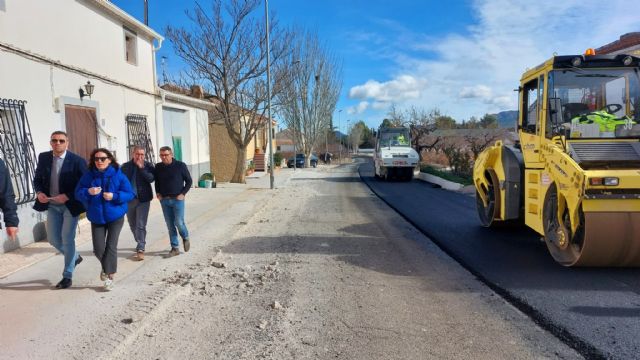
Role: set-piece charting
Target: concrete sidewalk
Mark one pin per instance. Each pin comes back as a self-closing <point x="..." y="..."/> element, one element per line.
<point x="26" y="256"/>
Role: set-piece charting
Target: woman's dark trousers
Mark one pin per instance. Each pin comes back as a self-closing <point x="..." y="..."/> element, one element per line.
<point x="105" y="244"/>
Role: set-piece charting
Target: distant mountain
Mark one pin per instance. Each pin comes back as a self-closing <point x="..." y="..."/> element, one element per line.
<point x="507" y="119"/>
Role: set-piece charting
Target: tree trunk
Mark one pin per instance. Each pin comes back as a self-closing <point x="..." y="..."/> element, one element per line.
<point x="241" y="161"/>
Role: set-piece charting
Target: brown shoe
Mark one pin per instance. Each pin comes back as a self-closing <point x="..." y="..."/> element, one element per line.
<point x="173" y="252"/>
<point x="140" y="255"/>
<point x="187" y="245"/>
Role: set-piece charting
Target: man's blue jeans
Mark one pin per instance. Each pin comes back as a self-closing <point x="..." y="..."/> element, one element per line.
<point x="173" y="211"/>
<point x="61" y="233"/>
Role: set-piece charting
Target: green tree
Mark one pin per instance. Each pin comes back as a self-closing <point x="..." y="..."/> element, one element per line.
<point x="444" y="122"/>
<point x="489" y="121"/>
<point x="386" y="123"/>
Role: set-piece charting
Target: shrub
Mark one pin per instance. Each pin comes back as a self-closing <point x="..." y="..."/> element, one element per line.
<point x="206" y="176"/>
<point x="277" y="158"/>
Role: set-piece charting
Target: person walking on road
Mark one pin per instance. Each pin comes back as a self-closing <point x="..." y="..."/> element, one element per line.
<point x="140" y="175"/>
<point x="8" y="202"/>
<point x="105" y="192"/>
<point x="57" y="174"/>
<point x="172" y="184"/>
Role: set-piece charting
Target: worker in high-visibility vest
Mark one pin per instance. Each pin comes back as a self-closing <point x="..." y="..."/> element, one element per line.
<point x="607" y="122"/>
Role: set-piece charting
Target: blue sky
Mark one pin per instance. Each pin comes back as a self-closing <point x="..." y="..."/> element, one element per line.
<point x="463" y="57"/>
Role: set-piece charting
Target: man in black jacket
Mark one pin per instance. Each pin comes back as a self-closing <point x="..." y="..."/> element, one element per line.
<point x="140" y="174"/>
<point x="55" y="180"/>
<point x="7" y="202"/>
<point x="172" y="184"/>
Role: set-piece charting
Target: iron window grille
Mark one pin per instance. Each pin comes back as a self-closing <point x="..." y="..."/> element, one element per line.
<point x="138" y="134"/>
<point x="16" y="148"/>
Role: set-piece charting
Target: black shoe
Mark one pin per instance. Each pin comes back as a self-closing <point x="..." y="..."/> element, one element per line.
<point x="64" y="283"/>
<point x="79" y="260"/>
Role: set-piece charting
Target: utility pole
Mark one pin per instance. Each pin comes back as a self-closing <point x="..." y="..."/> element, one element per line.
<point x="271" y="164"/>
<point x="340" y="133"/>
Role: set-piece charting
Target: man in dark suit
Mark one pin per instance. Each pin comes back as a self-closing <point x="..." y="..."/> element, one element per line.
<point x="7" y="202"/>
<point x="57" y="175"/>
<point x="140" y="175"/>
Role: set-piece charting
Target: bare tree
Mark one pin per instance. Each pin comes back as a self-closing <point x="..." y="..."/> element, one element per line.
<point x="479" y="141"/>
<point x="311" y="92"/>
<point x="225" y="50"/>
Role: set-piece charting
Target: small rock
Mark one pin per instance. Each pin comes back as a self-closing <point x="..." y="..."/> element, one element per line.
<point x="276" y="305"/>
<point x="275" y="263"/>
<point x="218" y="264"/>
<point x="127" y="321"/>
<point x="262" y="325"/>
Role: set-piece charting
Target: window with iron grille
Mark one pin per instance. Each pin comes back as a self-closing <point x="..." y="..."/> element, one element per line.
<point x="138" y="134"/>
<point x="16" y="148"/>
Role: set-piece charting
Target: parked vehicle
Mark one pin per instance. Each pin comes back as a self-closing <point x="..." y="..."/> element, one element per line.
<point x="394" y="156"/>
<point x="300" y="160"/>
<point x="574" y="177"/>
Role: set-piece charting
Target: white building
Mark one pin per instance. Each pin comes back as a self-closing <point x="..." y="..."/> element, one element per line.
<point x="49" y="50"/>
<point x="185" y="127"/>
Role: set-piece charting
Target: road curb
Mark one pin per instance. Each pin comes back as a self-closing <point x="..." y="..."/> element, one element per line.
<point x="445" y="184"/>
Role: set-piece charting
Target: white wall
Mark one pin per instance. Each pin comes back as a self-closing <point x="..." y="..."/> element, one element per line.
<point x="192" y="124"/>
<point x="76" y="33"/>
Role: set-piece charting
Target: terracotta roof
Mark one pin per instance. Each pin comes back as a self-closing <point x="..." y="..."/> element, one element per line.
<point x="626" y="41"/>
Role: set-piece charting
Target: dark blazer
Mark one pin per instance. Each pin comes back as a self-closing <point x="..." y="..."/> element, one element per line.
<point x="143" y="181"/>
<point x="7" y="198"/>
<point x="72" y="170"/>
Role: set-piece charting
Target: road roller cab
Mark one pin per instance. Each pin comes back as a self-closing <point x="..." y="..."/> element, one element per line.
<point x="574" y="177"/>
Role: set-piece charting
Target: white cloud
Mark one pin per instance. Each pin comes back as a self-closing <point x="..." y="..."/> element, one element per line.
<point x="399" y="89"/>
<point x="380" y="105"/>
<point x="478" y="91"/>
<point x="474" y="72"/>
<point x="358" y="109"/>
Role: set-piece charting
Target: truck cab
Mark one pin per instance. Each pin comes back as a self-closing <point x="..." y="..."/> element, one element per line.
<point x="394" y="157"/>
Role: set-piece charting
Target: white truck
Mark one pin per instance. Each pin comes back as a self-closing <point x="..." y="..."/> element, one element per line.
<point x="394" y="157"/>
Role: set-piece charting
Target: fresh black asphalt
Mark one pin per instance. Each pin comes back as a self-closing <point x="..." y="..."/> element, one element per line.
<point x="594" y="310"/>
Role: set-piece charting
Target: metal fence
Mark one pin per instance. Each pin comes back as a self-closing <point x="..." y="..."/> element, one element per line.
<point x="138" y="134"/>
<point x="16" y="148"/>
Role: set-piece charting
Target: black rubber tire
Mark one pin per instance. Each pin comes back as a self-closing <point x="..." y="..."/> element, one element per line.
<point x="485" y="214"/>
<point x="568" y="254"/>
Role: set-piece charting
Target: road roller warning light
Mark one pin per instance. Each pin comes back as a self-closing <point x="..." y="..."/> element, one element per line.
<point x="574" y="177"/>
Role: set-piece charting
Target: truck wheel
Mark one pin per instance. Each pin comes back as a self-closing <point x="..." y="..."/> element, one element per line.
<point x="488" y="213"/>
<point x="564" y="247"/>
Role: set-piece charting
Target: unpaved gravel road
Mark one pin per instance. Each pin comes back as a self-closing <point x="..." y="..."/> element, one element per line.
<point x="317" y="269"/>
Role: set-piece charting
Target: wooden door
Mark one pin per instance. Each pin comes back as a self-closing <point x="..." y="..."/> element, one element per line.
<point x="82" y="129"/>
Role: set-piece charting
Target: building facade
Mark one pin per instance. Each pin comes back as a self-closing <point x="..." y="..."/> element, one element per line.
<point x="52" y="54"/>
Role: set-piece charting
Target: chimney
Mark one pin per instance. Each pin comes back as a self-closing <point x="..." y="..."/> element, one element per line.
<point x="146" y="12"/>
<point x="197" y="92"/>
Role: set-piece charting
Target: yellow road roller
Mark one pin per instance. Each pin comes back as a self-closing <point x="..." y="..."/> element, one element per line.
<point x="574" y="174"/>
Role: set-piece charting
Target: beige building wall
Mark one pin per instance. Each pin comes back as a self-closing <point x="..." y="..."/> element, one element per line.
<point x="223" y="153"/>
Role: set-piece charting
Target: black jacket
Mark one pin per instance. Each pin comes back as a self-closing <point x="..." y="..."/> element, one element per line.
<point x="173" y="179"/>
<point x="72" y="170"/>
<point x="7" y="198"/>
<point x="144" y="178"/>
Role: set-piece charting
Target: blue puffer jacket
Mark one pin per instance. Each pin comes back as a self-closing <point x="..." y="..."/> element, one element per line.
<point x="99" y="210"/>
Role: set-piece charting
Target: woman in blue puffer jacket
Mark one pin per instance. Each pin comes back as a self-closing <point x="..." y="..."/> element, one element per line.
<point x="105" y="191"/>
